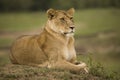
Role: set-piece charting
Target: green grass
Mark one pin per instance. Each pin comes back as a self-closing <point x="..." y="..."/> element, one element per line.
<point x="100" y="68"/>
<point x="5" y="42"/>
<point x="21" y="21"/>
<point x="97" y="20"/>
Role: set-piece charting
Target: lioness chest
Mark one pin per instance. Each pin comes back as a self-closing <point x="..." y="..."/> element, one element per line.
<point x="68" y="54"/>
<point x="63" y="51"/>
<point x="58" y="48"/>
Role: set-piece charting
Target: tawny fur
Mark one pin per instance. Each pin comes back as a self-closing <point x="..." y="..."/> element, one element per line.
<point x="53" y="47"/>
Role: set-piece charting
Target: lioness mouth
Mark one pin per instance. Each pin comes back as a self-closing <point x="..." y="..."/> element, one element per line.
<point x="69" y="32"/>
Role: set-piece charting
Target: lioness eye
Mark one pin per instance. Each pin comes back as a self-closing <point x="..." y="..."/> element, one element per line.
<point x="71" y="18"/>
<point x="62" y="19"/>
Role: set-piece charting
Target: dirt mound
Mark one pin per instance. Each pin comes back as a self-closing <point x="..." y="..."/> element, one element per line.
<point x="18" y="72"/>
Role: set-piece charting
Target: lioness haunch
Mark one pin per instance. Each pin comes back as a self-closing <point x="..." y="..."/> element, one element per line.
<point x="53" y="47"/>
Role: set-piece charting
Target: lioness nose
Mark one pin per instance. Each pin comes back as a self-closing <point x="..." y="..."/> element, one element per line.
<point x="72" y="28"/>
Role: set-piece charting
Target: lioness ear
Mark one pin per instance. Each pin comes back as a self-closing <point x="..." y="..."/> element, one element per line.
<point x="51" y="13"/>
<point x="71" y="11"/>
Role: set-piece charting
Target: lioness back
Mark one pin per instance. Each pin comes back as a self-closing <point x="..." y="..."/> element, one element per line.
<point x="25" y="50"/>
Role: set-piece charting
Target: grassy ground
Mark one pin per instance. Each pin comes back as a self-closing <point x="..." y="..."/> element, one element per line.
<point x="97" y="44"/>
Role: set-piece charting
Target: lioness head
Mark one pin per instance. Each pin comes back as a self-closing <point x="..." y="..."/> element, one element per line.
<point x="61" y="21"/>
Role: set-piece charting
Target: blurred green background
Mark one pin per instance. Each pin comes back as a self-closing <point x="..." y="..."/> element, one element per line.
<point x="36" y="5"/>
<point x="97" y="29"/>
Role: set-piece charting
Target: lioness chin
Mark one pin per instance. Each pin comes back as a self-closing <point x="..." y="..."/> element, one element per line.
<point x="53" y="47"/>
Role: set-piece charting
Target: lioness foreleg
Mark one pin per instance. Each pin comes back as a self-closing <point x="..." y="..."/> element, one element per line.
<point x="65" y="65"/>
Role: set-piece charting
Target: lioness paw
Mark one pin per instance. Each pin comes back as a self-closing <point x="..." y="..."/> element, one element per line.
<point x="82" y="65"/>
<point x="86" y="69"/>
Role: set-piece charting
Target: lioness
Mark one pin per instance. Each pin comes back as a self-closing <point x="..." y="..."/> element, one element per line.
<point x="53" y="47"/>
